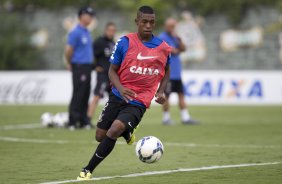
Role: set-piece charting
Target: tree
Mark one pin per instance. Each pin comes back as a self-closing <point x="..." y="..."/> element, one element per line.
<point x="16" y="50"/>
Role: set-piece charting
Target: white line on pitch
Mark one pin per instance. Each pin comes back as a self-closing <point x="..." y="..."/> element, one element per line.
<point x="220" y="145"/>
<point x="191" y="145"/>
<point x="46" y="141"/>
<point x="40" y="141"/>
<point x="19" y="127"/>
<point x="168" y="172"/>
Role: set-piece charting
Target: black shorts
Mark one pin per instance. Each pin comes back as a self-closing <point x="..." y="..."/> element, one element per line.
<point x="118" y="109"/>
<point x="103" y="85"/>
<point x="174" y="86"/>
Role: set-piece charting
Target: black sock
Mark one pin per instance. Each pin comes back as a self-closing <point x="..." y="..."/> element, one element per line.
<point x="102" y="151"/>
<point x="125" y="135"/>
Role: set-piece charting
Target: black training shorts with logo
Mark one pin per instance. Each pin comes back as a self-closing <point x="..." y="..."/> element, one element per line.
<point x="118" y="109"/>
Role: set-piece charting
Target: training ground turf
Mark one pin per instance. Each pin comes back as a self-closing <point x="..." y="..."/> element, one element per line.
<point x="227" y="136"/>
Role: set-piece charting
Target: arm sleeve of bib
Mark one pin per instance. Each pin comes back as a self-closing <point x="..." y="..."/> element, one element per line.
<point x="120" y="50"/>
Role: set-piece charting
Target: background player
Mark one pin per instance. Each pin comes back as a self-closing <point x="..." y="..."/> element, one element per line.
<point x="135" y="72"/>
<point x="175" y="84"/>
<point x="79" y="56"/>
<point x="103" y="47"/>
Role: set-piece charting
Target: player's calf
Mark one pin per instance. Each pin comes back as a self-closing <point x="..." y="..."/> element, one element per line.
<point x="104" y="148"/>
<point x="102" y="151"/>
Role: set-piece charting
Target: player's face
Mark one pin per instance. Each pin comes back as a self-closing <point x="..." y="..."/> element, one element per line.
<point x="146" y="24"/>
<point x="110" y="31"/>
<point x="86" y="19"/>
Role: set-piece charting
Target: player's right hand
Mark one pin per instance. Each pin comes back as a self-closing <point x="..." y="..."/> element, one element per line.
<point x="160" y="98"/>
<point x="127" y="94"/>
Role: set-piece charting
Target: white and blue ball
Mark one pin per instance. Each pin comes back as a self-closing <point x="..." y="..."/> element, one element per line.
<point x="149" y="149"/>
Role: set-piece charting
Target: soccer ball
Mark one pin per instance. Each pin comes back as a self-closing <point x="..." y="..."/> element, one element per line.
<point x="47" y="119"/>
<point x="61" y="119"/>
<point x="149" y="149"/>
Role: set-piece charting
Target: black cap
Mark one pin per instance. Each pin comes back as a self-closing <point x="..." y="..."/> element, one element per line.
<point x="86" y="10"/>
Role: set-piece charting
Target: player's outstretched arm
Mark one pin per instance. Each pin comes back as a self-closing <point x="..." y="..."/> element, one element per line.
<point x="126" y="93"/>
<point x="160" y="98"/>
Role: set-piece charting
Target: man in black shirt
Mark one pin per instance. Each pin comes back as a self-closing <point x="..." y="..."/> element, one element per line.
<point x="103" y="47"/>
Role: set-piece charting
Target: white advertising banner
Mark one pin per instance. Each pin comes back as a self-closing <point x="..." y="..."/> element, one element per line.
<point x="201" y="87"/>
<point x="35" y="87"/>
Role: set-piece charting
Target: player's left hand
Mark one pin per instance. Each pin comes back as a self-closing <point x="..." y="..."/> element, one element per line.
<point x="160" y="98"/>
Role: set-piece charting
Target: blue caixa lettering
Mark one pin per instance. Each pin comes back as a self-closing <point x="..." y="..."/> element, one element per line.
<point x="208" y="88"/>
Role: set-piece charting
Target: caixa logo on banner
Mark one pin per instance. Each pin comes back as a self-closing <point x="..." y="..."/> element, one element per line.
<point x="241" y="88"/>
<point x="27" y="90"/>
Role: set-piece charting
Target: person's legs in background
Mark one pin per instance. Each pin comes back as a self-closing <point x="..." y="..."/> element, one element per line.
<point x="74" y="111"/>
<point x="102" y="86"/>
<point x="184" y="113"/>
<point x="166" y="114"/>
<point x="185" y="116"/>
<point x="92" y="106"/>
<point x="85" y="93"/>
<point x="177" y="86"/>
<point x="98" y="94"/>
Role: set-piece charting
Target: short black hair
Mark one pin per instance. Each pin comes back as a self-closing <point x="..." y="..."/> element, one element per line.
<point x="86" y="10"/>
<point x="146" y="10"/>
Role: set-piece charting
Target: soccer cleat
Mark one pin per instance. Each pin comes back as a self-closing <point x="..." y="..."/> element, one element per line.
<point x="84" y="175"/>
<point x="131" y="136"/>
<point x="131" y="140"/>
<point x="191" y="122"/>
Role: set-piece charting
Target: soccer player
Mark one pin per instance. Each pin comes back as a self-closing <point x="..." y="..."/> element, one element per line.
<point x="79" y="56"/>
<point x="139" y="71"/>
<point x="103" y="47"/>
<point x="175" y="83"/>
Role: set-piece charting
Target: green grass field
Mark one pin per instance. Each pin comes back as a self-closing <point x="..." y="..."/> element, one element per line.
<point x="227" y="136"/>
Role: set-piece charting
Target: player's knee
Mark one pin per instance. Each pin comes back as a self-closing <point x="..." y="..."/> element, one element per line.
<point x="99" y="138"/>
<point x="100" y="135"/>
<point x="116" y="129"/>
